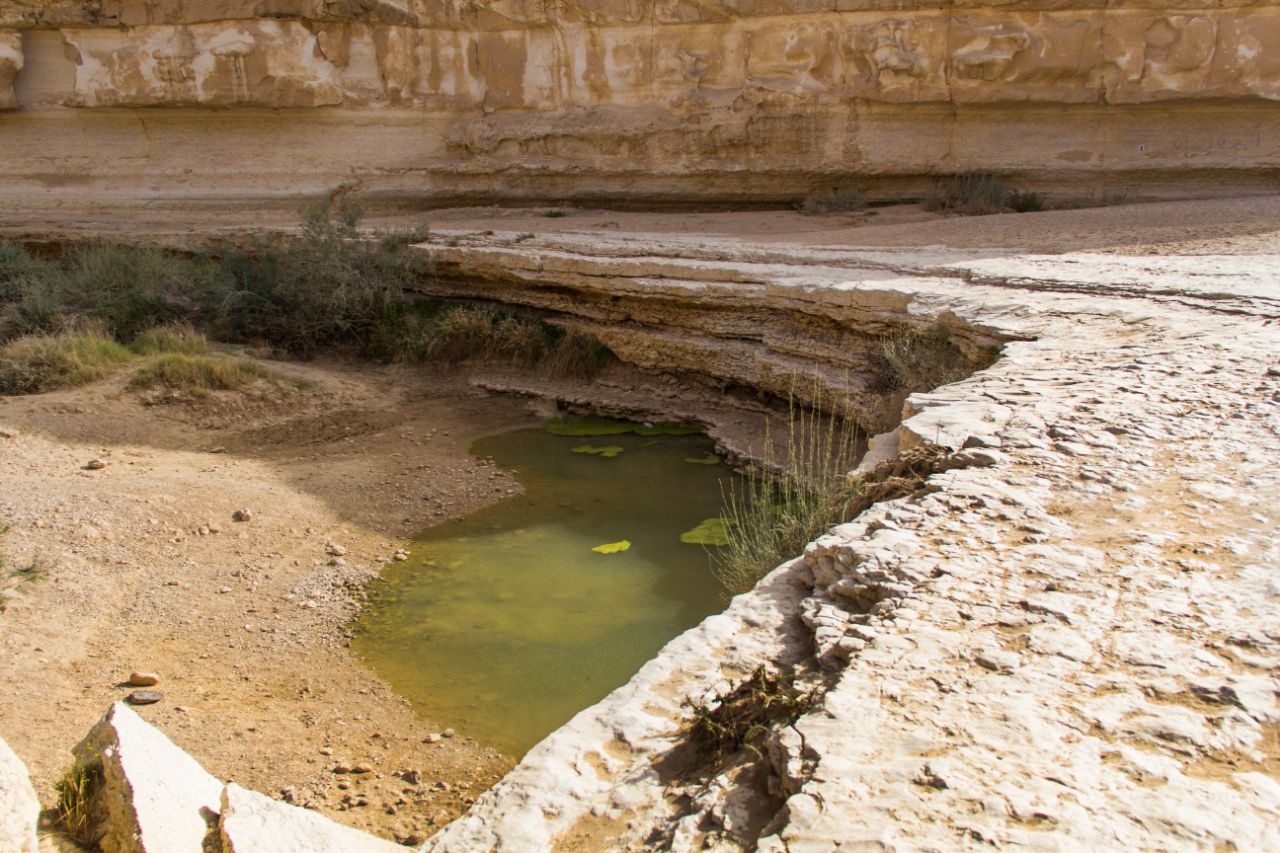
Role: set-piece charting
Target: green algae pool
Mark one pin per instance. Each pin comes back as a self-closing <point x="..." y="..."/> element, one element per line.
<point x="506" y="623"/>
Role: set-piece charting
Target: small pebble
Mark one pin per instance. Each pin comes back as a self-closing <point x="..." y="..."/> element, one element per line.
<point x="144" y="697"/>
<point x="143" y="679"/>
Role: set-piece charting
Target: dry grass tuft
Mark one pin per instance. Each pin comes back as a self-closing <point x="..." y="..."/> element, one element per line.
<point x="35" y="363"/>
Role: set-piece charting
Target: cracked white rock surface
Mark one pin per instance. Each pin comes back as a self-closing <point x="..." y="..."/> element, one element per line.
<point x="19" y="808"/>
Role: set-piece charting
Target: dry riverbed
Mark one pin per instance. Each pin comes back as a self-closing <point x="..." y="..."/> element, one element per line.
<point x="139" y="565"/>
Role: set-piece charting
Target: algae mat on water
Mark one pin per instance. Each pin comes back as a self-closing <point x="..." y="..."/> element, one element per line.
<point x="506" y="623"/>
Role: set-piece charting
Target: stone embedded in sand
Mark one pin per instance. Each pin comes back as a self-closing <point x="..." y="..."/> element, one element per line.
<point x="19" y="808"/>
<point x="143" y="679"/>
<point x="95" y="465"/>
<point x="253" y="823"/>
<point x="152" y="795"/>
<point x="242" y="514"/>
<point x="333" y="549"/>
<point x="144" y="697"/>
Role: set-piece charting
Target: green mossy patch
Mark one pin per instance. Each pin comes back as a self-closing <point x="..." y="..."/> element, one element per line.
<point x="709" y="531"/>
<point x="613" y="547"/>
<point x="607" y="452"/>
<point x="709" y="459"/>
<point x="594" y="426"/>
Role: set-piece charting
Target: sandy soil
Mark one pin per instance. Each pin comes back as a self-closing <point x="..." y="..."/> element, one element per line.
<point x="1219" y="226"/>
<point x="139" y="566"/>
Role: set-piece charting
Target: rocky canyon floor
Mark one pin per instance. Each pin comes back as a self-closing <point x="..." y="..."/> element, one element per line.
<point x="1069" y="639"/>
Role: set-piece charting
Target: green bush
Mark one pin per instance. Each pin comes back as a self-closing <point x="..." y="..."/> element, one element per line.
<point x="32" y="364"/>
<point x="324" y="288"/>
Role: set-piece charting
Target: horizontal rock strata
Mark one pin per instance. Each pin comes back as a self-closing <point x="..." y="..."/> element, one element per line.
<point x="1066" y="639"/>
<point x="426" y="101"/>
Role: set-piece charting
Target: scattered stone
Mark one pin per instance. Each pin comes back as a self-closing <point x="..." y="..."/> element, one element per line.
<point x="333" y="549"/>
<point x="95" y="465"/>
<point x="413" y="777"/>
<point x="242" y="514"/>
<point x="144" y="697"/>
<point x="447" y="733"/>
<point x="143" y="679"/>
<point x="434" y="737"/>
<point x="362" y="768"/>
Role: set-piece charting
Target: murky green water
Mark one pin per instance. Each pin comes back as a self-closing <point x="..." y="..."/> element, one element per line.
<point x="506" y="623"/>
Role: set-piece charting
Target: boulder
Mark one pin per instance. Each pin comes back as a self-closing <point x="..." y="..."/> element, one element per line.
<point x="19" y="808"/>
<point x="153" y="797"/>
<point x="253" y="823"/>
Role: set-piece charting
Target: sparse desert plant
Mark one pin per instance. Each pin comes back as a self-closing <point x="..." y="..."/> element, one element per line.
<point x="838" y="200"/>
<point x="970" y="193"/>
<point x="74" y="811"/>
<point x="171" y="338"/>
<point x="578" y="355"/>
<point x="36" y="363"/>
<point x="554" y="213"/>
<point x="782" y="505"/>
<point x="1026" y="201"/>
<point x="742" y="718"/>
<point x="463" y="332"/>
<point x="199" y="374"/>
<point x="921" y="359"/>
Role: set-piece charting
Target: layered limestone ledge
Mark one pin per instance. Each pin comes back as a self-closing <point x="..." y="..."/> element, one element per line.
<point x="1058" y="642"/>
<point x="665" y="102"/>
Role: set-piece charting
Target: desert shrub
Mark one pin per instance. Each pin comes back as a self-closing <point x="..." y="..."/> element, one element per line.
<point x="321" y="288"/>
<point x="554" y="213"/>
<point x="18" y="267"/>
<point x="199" y="374"/>
<point x="742" y="718"/>
<point x="521" y="340"/>
<point x="125" y="288"/>
<point x="1026" y="201"/>
<point x="463" y="332"/>
<point x="970" y="193"/>
<point x="842" y="200"/>
<point x="921" y="359"/>
<point x="131" y="288"/>
<point x="35" y="363"/>
<point x="576" y="354"/>
<point x="171" y="338"/>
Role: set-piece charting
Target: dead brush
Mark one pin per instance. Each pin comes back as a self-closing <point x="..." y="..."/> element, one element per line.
<point x="742" y="718"/>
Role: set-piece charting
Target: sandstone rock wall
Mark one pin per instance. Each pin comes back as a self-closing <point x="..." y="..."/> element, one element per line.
<point x="671" y="99"/>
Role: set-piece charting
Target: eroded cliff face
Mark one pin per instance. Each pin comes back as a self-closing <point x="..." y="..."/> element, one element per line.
<point x="666" y="100"/>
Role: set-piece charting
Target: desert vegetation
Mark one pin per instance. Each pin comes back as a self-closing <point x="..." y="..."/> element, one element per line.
<point x="327" y="288"/>
<point x="980" y="193"/>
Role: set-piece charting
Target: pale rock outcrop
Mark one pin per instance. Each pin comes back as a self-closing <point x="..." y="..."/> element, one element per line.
<point x="153" y="796"/>
<point x="19" y="808"/>
<point x="254" y="823"/>
<point x="1065" y="639"/>
<point x="10" y="65"/>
